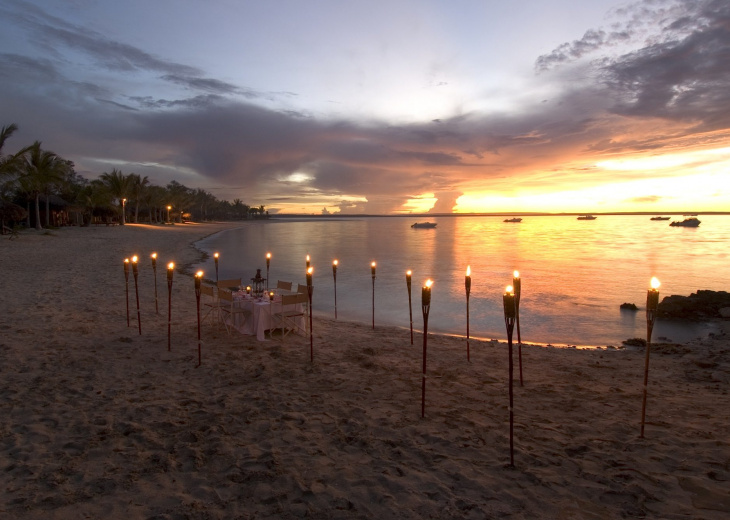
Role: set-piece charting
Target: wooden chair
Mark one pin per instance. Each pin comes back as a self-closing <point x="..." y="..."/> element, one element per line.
<point x="287" y="319"/>
<point x="229" y="310"/>
<point x="283" y="285"/>
<point x="211" y="303"/>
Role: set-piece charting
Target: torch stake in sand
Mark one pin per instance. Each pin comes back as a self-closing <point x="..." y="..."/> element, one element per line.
<point x="410" y="306"/>
<point x="310" y="289"/>
<point x="135" y="271"/>
<point x="170" y="268"/>
<point x="215" y="257"/>
<point x="425" y="308"/>
<point x="467" y="285"/>
<point x="198" y="277"/>
<point x="154" y="273"/>
<point x="652" y="303"/>
<point x="268" y="264"/>
<point x="334" y="277"/>
<point x="126" y="285"/>
<point x="372" y="272"/>
<point x="509" y="321"/>
<point x="517" y="283"/>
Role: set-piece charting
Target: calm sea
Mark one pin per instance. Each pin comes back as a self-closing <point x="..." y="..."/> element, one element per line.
<point x="575" y="274"/>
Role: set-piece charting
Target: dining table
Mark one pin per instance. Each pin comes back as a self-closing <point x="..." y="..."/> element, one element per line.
<point x="262" y="311"/>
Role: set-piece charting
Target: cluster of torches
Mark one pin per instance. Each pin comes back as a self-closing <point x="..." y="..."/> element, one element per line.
<point x="510" y="300"/>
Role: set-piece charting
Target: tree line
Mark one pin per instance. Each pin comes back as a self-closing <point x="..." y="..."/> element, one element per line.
<point x="34" y="178"/>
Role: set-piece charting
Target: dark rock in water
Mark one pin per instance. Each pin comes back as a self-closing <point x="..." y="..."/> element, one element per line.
<point x="634" y="342"/>
<point x="699" y="306"/>
<point x="629" y="307"/>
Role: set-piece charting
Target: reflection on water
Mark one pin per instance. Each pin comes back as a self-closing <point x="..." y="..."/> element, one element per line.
<point x="575" y="274"/>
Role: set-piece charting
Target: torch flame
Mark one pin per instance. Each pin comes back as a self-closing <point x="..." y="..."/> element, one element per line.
<point x="509" y="289"/>
<point x="655" y="283"/>
<point x="468" y="270"/>
<point x="134" y="259"/>
<point x="171" y="266"/>
<point x="199" y="274"/>
<point x="268" y="255"/>
<point x="310" y="270"/>
<point x="307" y="258"/>
<point x="429" y="283"/>
<point x="126" y="260"/>
<point x="516" y="274"/>
<point x="409" y="273"/>
<point x="154" y="255"/>
<point x="335" y="262"/>
<point x="372" y="264"/>
<point x="215" y="255"/>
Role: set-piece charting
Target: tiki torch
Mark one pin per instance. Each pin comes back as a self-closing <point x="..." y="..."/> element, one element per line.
<point x="410" y="306"/>
<point x="307" y="261"/>
<point x="467" y="286"/>
<point x="268" y="263"/>
<point x="652" y="303"/>
<point x="517" y="283"/>
<point x="126" y="285"/>
<point x="154" y="272"/>
<point x="135" y="272"/>
<point x="170" y="268"/>
<point x="198" y="277"/>
<point x="334" y="277"/>
<point x="509" y="321"/>
<point x="215" y="257"/>
<point x="372" y="272"/>
<point x="425" y="308"/>
<point x="310" y="289"/>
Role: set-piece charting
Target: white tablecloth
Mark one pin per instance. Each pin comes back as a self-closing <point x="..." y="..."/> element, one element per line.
<point x="261" y="318"/>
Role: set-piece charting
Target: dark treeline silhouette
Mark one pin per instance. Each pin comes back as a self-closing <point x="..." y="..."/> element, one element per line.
<point x="39" y="188"/>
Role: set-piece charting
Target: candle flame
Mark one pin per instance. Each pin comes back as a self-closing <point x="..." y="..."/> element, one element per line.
<point x="134" y="259"/>
<point x="468" y="270"/>
<point x="171" y="266"/>
<point x="516" y="274"/>
<point x="429" y="283"/>
<point x="655" y="283"/>
<point x="199" y="274"/>
<point x="509" y="289"/>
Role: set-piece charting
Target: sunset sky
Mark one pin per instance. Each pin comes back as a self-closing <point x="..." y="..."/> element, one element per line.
<point x="383" y="106"/>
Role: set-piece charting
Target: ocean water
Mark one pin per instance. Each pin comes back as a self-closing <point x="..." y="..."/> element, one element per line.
<point x="575" y="274"/>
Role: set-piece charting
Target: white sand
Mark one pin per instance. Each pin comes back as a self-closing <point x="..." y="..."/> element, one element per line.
<point x="100" y="422"/>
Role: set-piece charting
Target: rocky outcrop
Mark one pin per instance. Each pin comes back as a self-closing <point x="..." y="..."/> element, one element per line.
<point x="699" y="306"/>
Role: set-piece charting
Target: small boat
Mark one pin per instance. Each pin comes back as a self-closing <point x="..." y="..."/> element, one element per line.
<point x="586" y="217"/>
<point x="423" y="225"/>
<point x="659" y="218"/>
<point x="513" y="219"/>
<point x="688" y="222"/>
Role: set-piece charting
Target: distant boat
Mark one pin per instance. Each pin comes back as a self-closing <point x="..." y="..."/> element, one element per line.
<point x="424" y="225"/>
<point x="659" y="218"/>
<point x="513" y="219"/>
<point x="688" y="222"/>
<point x="586" y="217"/>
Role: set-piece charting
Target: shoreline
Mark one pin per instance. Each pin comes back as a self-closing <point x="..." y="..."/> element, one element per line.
<point x="104" y="422"/>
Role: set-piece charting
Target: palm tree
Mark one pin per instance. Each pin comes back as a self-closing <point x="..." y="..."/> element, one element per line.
<point x="119" y="185"/>
<point x="40" y="169"/>
<point x="7" y="163"/>
<point x="138" y="186"/>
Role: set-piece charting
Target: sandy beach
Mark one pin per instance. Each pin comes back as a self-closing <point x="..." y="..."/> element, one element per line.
<point x="99" y="421"/>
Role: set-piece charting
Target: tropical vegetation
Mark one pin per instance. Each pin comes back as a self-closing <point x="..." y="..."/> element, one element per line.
<point x="41" y="189"/>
